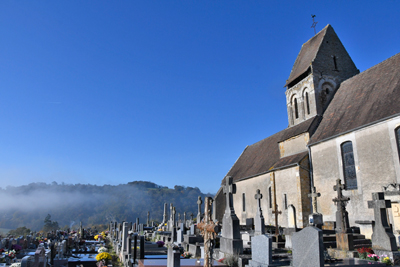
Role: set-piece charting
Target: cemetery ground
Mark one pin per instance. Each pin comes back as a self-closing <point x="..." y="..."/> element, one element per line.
<point x="183" y="242"/>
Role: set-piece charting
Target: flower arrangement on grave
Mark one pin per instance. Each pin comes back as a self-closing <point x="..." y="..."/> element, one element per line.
<point x="160" y="243"/>
<point x="187" y="255"/>
<point x="103" y="257"/>
<point x="363" y="252"/>
<point x="102" y="249"/>
<point x="372" y="257"/>
<point x="385" y="259"/>
<point x="97" y="237"/>
<point x="10" y="254"/>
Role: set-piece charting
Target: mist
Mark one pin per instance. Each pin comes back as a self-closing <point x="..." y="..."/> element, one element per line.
<point x="69" y="205"/>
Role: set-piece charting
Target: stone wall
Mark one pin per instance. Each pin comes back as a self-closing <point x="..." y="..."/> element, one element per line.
<point x="377" y="164"/>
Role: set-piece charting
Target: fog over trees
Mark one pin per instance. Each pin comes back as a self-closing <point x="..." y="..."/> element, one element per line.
<point x="68" y="204"/>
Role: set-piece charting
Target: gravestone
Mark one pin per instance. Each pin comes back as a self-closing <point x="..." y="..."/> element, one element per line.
<point x="308" y="248"/>
<point x="199" y="202"/>
<point x="173" y="257"/>
<point x="165" y="215"/>
<point x="230" y="242"/>
<point x="124" y="246"/>
<point x="382" y="236"/>
<point x="27" y="261"/>
<point x="259" y="225"/>
<point x="292" y="226"/>
<point x="261" y="251"/>
<point x="40" y="257"/>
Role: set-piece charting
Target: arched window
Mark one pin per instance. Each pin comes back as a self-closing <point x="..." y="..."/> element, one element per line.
<point x="307" y="103"/>
<point x="349" y="167"/>
<point x="244" y="202"/>
<point x="270" y="197"/>
<point x="296" y="108"/>
<point x="397" y="133"/>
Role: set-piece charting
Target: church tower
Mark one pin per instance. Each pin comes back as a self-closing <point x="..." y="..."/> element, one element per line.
<point x="322" y="64"/>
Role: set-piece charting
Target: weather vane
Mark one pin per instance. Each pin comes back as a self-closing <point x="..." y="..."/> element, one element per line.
<point x="314" y="24"/>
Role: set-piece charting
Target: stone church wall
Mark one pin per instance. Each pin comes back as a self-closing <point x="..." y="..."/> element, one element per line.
<point x="376" y="162"/>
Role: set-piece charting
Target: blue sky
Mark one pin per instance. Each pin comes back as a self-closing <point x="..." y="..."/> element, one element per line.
<point x="108" y="92"/>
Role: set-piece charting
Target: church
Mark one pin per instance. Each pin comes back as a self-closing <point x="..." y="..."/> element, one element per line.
<point x="342" y="124"/>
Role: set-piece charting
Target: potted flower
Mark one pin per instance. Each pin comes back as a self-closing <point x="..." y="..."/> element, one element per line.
<point x="102" y="249"/>
<point x="160" y="243"/>
<point x="186" y="255"/>
<point x="363" y="252"/>
<point x="372" y="257"/>
<point x="103" y="258"/>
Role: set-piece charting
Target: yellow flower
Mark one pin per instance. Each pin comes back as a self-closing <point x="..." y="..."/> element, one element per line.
<point x="103" y="256"/>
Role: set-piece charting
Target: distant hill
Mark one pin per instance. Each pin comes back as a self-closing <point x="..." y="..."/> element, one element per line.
<point x="68" y="204"/>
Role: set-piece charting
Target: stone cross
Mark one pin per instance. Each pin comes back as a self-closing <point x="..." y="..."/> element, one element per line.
<point x="342" y="217"/>
<point x="382" y="237"/>
<point x="229" y="189"/>
<point x="209" y="230"/>
<point x="314" y="196"/>
<point x="199" y="202"/>
<point x="165" y="213"/>
<point x="277" y="213"/>
<point x="258" y="196"/>
<point x="259" y="219"/>
<point x="173" y="215"/>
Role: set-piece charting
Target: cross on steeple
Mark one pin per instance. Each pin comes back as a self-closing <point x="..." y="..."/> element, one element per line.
<point x="229" y="189"/>
<point x="314" y="24"/>
<point x="314" y="196"/>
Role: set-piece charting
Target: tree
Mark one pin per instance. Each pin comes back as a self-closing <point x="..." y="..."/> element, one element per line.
<point x="49" y="225"/>
<point x="20" y="231"/>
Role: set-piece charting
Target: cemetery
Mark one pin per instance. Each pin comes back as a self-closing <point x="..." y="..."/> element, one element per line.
<point x="202" y="241"/>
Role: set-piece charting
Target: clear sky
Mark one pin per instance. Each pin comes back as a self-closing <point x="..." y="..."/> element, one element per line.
<point x="108" y="92"/>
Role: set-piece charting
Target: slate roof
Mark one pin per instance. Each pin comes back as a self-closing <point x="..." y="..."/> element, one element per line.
<point x="368" y="97"/>
<point x="307" y="54"/>
<point x="264" y="155"/>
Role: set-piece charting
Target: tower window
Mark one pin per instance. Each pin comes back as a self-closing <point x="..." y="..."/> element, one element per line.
<point x="349" y="168"/>
<point x="307" y="103"/>
<point x="244" y="202"/>
<point x="296" y="109"/>
<point x="335" y="63"/>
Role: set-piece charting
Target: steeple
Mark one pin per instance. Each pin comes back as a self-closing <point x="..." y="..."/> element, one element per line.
<point x="322" y="64"/>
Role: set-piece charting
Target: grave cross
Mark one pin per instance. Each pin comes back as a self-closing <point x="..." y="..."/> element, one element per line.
<point x="258" y="196"/>
<point x="209" y="230"/>
<point x="229" y="189"/>
<point x="314" y="196"/>
<point x="276" y="212"/>
<point x="379" y="204"/>
<point x="342" y="219"/>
